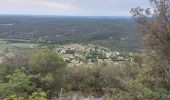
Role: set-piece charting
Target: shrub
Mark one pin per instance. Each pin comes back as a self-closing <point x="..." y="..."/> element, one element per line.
<point x="46" y="61"/>
<point x="18" y="84"/>
<point x="95" y="80"/>
<point x="38" y="96"/>
<point x="33" y="96"/>
<point x="4" y="90"/>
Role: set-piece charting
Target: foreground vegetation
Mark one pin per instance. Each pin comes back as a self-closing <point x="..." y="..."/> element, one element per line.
<point x="43" y="74"/>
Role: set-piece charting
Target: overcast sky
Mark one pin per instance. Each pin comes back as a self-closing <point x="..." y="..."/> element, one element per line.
<point x="70" y="7"/>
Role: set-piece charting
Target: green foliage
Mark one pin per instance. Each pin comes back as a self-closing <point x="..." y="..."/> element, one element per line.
<point x="137" y="80"/>
<point x="16" y="61"/>
<point x="70" y="51"/>
<point x="4" y="90"/>
<point x="142" y="79"/>
<point x="18" y="84"/>
<point x="46" y="69"/>
<point x="46" y="62"/>
<point x="115" y="58"/>
<point x="38" y="96"/>
<point x="101" y="56"/>
<point x="40" y="71"/>
<point x="95" y="81"/>
<point x="124" y="54"/>
<point x="14" y="97"/>
<point x="33" y="96"/>
<point x="118" y="94"/>
<point x="92" y="55"/>
<point x="48" y="79"/>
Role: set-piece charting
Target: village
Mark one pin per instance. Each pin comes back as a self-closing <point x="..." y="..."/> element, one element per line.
<point x="75" y="54"/>
<point x="89" y="54"/>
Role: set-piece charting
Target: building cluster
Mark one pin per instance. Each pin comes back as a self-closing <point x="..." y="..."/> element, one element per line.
<point x="77" y="54"/>
<point x="75" y="47"/>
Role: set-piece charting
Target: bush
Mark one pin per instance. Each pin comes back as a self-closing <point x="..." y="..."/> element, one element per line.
<point x="18" y="84"/>
<point x="95" y="80"/>
<point x="33" y="96"/>
<point x="48" y="79"/>
<point x="46" y="61"/>
<point x="47" y="67"/>
<point x="43" y="70"/>
<point x="4" y="90"/>
<point x="38" y="96"/>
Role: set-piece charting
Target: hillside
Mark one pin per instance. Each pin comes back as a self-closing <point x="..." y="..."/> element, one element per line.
<point x="118" y="33"/>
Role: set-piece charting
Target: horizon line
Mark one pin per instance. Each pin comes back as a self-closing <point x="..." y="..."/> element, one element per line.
<point x="65" y="15"/>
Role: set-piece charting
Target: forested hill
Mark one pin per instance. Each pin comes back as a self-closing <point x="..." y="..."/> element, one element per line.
<point x="118" y="33"/>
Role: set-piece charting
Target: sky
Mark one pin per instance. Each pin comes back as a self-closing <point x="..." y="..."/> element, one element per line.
<point x="70" y="7"/>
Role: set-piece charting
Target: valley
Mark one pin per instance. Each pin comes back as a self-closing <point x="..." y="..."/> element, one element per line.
<point x="116" y="33"/>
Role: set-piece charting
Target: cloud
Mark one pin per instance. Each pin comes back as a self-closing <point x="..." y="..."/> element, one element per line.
<point x="70" y="7"/>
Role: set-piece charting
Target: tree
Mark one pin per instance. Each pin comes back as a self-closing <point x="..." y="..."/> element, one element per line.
<point x="46" y="61"/>
<point x="18" y="84"/>
<point x="46" y="68"/>
<point x="156" y="27"/>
